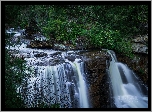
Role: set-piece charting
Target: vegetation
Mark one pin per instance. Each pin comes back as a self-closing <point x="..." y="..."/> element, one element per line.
<point x="14" y="72"/>
<point x="100" y="26"/>
<point x="103" y="26"/>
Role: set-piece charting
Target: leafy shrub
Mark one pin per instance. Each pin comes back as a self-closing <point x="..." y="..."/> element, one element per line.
<point x="102" y="25"/>
<point x="14" y="68"/>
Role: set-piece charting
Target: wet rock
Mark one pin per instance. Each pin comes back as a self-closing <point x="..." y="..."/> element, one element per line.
<point x="40" y="44"/>
<point x="42" y="62"/>
<point x="53" y="62"/>
<point x="95" y="69"/>
<point x="56" y="55"/>
<point x="41" y="54"/>
<point x="71" y="58"/>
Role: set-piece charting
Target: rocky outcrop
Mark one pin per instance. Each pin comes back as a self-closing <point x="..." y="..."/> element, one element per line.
<point x="140" y="48"/>
<point x="40" y="44"/>
<point x="95" y="68"/>
<point x="140" y="44"/>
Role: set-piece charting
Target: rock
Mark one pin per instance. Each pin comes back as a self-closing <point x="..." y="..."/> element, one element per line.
<point x="55" y="61"/>
<point x="141" y="39"/>
<point x="56" y="53"/>
<point x="22" y="31"/>
<point x="140" y="44"/>
<point x="59" y="47"/>
<point x="139" y="48"/>
<point x="39" y="37"/>
<point x="82" y="42"/>
<point x="71" y="58"/>
<point x="41" y="54"/>
<point x="40" y="44"/>
<point x="95" y="69"/>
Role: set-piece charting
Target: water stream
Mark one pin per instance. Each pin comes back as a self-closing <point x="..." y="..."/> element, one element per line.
<point x="56" y="79"/>
<point x="128" y="90"/>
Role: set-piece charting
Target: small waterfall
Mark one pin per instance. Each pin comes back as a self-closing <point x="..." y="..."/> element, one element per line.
<point x="53" y="82"/>
<point x="82" y="90"/>
<point x="128" y="90"/>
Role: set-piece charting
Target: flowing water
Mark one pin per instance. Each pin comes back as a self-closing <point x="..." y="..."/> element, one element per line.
<point x="58" y="77"/>
<point x="54" y="79"/>
<point x="127" y="90"/>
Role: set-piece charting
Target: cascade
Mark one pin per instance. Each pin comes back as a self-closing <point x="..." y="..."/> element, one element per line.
<point x="53" y="78"/>
<point x="53" y="82"/>
<point x="127" y="90"/>
<point x="56" y="79"/>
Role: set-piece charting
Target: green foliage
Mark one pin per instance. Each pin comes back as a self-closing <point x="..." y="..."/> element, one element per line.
<point x="141" y="71"/>
<point x="14" y="74"/>
<point x="15" y="71"/>
<point x="14" y="68"/>
<point x="103" y="26"/>
<point x="108" y="26"/>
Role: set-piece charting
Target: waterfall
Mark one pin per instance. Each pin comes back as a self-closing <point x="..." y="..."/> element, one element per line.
<point x="128" y="91"/>
<point x="54" y="80"/>
<point x="83" y="94"/>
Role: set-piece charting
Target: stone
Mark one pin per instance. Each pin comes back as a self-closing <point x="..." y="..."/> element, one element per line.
<point x="59" y="47"/>
<point x="71" y="58"/>
<point x="40" y="44"/>
<point x="41" y="54"/>
<point x="95" y="69"/>
<point x="39" y="37"/>
<point x="139" y="48"/>
<point x="141" y="39"/>
<point x="140" y="44"/>
<point x="56" y="61"/>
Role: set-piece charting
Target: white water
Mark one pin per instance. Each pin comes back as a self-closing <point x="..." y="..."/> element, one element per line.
<point x="55" y="84"/>
<point x="63" y="83"/>
<point x="128" y="92"/>
<point x="82" y="89"/>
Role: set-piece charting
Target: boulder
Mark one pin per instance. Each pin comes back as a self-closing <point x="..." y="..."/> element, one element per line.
<point x="140" y="44"/>
<point x="141" y="39"/>
<point x="41" y="54"/>
<point x="139" y="48"/>
<point x="71" y="57"/>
